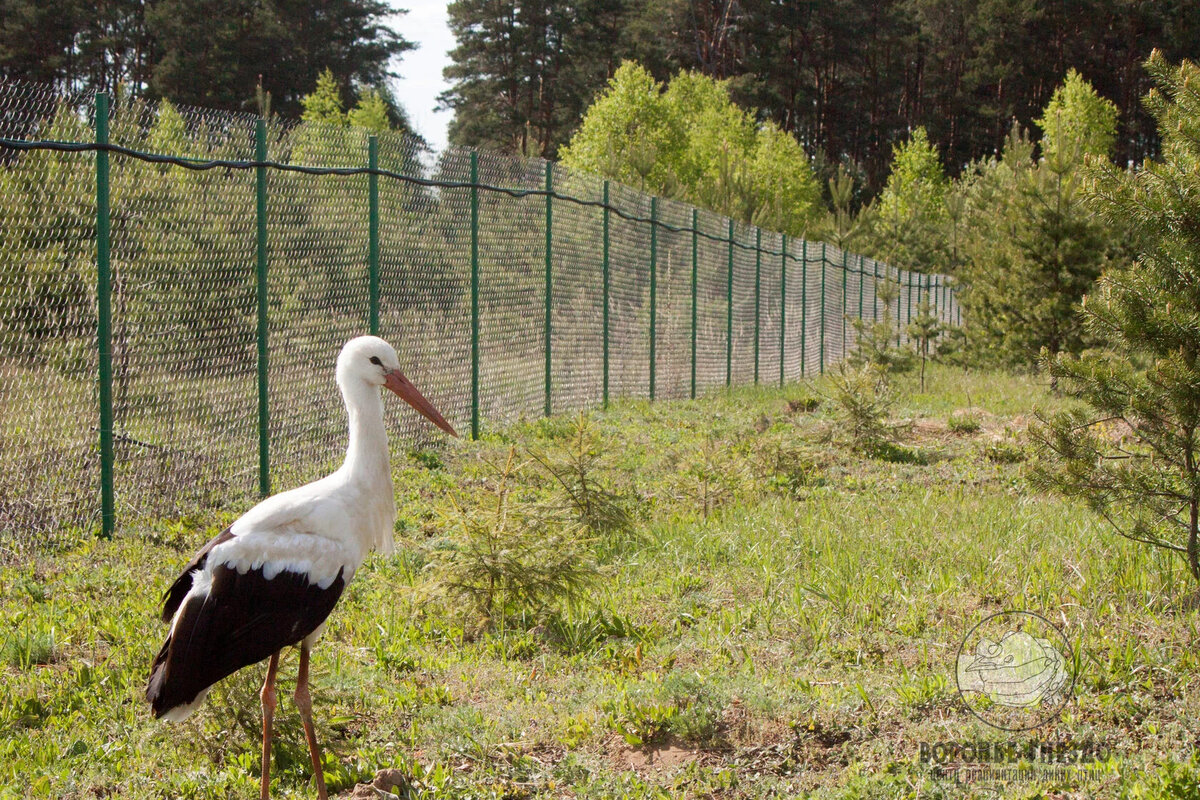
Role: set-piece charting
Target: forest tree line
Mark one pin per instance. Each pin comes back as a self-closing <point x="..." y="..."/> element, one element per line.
<point x="848" y="78"/>
<point x="933" y="135"/>
<point x="224" y="54"/>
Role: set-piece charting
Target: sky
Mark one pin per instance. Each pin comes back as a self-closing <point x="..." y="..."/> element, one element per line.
<point x="420" y="70"/>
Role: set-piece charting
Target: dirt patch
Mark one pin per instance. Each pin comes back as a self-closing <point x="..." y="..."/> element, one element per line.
<point x="668" y="756"/>
<point x="387" y="783"/>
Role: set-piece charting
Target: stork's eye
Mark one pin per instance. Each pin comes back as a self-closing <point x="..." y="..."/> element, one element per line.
<point x="375" y="360"/>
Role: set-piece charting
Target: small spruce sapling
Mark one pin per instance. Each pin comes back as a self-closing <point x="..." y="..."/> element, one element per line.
<point x="923" y="331"/>
<point x="865" y="398"/>
<point x="875" y="343"/>
<point x="577" y="469"/>
<point x="506" y="552"/>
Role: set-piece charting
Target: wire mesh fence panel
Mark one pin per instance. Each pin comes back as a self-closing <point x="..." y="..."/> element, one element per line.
<point x="673" y="326"/>
<point x="906" y="305"/>
<point x="859" y="287"/>
<point x="425" y="285"/>
<point x="48" y="392"/>
<point x="577" y="274"/>
<point x="183" y="305"/>
<point x="712" y="300"/>
<point x="742" y="362"/>
<point x="836" y="286"/>
<point x="769" y="302"/>
<point x="892" y="305"/>
<point x="629" y="302"/>
<point x="792" y="308"/>
<point x="512" y="286"/>
<point x="811" y="295"/>
<point x="791" y="297"/>
<point x="871" y="291"/>
<point x="346" y="254"/>
<point x="317" y="294"/>
<point x="953" y="309"/>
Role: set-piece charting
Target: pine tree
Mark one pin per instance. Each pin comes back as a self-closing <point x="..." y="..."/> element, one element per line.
<point x="1132" y="451"/>
<point x="1033" y="247"/>
<point x="324" y="103"/>
<point x="912" y="209"/>
<point x="371" y="112"/>
<point x="923" y="331"/>
<point x="876" y="342"/>
<point x="524" y="70"/>
<point x="36" y="39"/>
<point x="212" y="52"/>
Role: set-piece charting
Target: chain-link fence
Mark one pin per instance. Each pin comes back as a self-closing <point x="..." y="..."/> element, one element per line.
<point x="175" y="285"/>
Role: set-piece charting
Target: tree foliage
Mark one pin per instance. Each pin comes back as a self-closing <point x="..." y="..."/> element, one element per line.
<point x="850" y="79"/>
<point x="912" y="209"/>
<point x="1132" y="451"/>
<point x="524" y="70"/>
<point x="1034" y="248"/>
<point x="1077" y="121"/>
<point x="691" y="140"/>
<point x="201" y="52"/>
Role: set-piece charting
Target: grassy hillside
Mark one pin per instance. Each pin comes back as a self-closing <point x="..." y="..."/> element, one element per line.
<point x="778" y="617"/>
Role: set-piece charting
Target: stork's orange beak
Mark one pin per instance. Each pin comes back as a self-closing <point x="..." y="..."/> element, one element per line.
<point x="409" y="394"/>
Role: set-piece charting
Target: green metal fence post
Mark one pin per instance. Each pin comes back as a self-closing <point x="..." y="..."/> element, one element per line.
<point x="264" y="408"/>
<point x="757" y="295"/>
<point x="909" y="304"/>
<point x="845" y="280"/>
<point x="653" y="288"/>
<point x="108" y="514"/>
<point x="373" y="229"/>
<point x="874" y="290"/>
<point x="606" y="290"/>
<point x="474" y="295"/>
<point x="861" y="275"/>
<point x="823" y="262"/>
<point x="899" y="286"/>
<point x="549" y="284"/>
<point x="729" y="315"/>
<point x="782" y="304"/>
<point x="803" y="304"/>
<point x="695" y="271"/>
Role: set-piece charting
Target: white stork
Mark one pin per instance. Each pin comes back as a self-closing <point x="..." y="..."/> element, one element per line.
<point x="272" y="577"/>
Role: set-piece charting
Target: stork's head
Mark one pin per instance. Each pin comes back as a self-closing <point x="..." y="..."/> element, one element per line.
<point x="371" y="360"/>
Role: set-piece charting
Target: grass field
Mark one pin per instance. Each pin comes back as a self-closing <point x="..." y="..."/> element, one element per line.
<point x="780" y="618"/>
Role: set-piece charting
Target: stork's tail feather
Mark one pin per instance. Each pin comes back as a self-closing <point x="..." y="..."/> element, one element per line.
<point x="168" y="699"/>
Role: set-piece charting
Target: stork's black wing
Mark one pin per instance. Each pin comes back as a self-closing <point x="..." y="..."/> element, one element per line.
<point x="242" y="619"/>
<point x="183" y="584"/>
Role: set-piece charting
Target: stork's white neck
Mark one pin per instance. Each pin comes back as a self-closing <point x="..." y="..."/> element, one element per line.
<point x="367" y="474"/>
<point x="367" y="453"/>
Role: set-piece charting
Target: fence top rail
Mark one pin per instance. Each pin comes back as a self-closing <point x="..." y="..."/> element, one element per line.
<point x="201" y="165"/>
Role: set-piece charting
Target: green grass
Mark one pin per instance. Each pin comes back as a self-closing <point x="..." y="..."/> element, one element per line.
<point x="797" y="639"/>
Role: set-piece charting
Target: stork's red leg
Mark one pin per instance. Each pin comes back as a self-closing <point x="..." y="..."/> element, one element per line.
<point x="304" y="703"/>
<point x="267" y="695"/>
